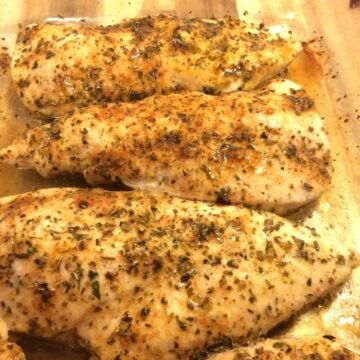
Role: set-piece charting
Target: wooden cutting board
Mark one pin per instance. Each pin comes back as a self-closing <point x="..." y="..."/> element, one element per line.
<point x="332" y="77"/>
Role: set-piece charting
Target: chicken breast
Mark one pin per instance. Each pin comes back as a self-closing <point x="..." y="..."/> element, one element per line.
<point x="292" y="349"/>
<point x="137" y="275"/>
<point x="266" y="149"/>
<point x="59" y="66"/>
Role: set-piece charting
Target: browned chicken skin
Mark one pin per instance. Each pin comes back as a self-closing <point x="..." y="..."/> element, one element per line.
<point x="59" y="66"/>
<point x="137" y="276"/>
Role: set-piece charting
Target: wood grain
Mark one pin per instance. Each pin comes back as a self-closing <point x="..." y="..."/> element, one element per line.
<point x="335" y="87"/>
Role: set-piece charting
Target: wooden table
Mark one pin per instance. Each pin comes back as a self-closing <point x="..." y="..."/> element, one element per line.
<point x="335" y="86"/>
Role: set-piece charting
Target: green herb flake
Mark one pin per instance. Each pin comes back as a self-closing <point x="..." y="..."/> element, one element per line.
<point x="96" y="289"/>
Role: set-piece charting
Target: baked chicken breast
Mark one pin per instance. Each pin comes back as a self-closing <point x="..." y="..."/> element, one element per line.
<point x="137" y="275"/>
<point x="266" y="149"/>
<point x="290" y="349"/>
<point x="57" y="67"/>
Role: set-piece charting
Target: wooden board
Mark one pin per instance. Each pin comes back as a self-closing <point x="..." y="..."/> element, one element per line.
<point x="332" y="77"/>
